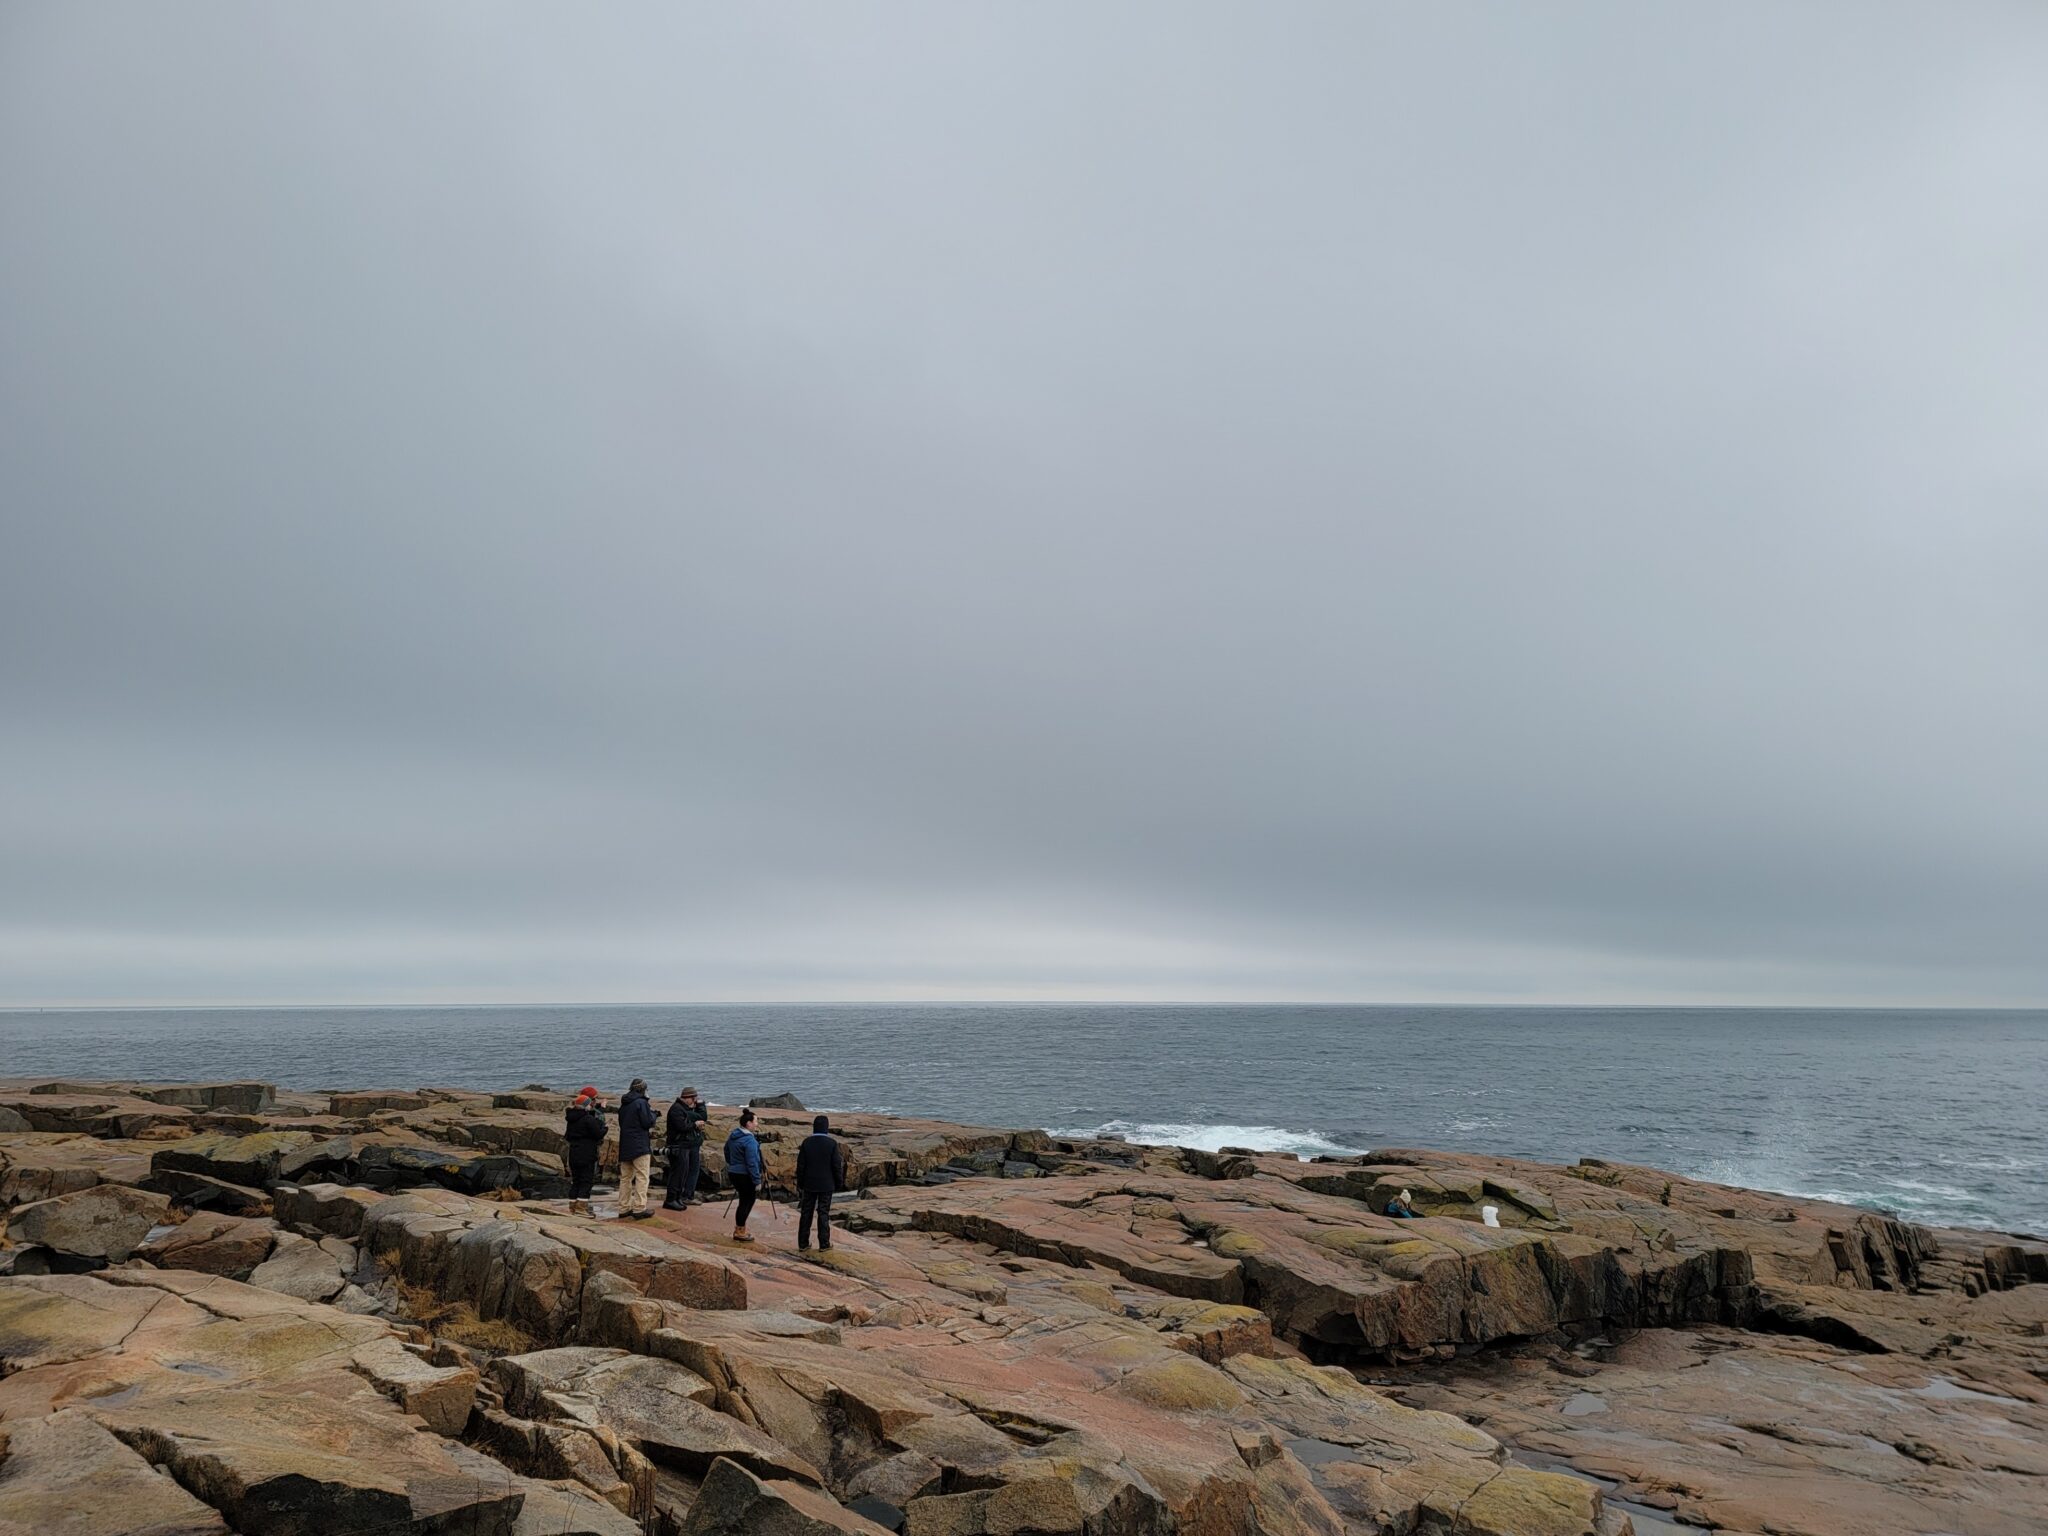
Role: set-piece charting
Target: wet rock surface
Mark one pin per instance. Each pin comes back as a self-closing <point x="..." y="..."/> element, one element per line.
<point x="370" y="1311"/>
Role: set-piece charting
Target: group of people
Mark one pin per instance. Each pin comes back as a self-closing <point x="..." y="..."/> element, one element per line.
<point x="820" y="1160"/>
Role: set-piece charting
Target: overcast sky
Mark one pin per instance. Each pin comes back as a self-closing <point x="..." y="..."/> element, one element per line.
<point x="1134" y="501"/>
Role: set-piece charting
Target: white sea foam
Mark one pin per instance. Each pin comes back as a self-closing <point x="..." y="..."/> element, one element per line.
<point x="1907" y="1197"/>
<point x="1211" y="1138"/>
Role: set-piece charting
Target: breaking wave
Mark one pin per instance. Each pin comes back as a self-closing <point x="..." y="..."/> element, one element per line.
<point x="1212" y="1138"/>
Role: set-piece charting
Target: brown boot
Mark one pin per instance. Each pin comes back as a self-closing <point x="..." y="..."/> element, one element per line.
<point x="739" y="1235"/>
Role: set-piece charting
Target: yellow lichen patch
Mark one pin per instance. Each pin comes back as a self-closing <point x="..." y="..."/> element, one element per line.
<point x="1520" y="1502"/>
<point x="1092" y="1293"/>
<point x="1183" y="1384"/>
<point x="1356" y="1242"/>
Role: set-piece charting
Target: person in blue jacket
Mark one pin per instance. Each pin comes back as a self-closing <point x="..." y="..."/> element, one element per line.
<point x="743" y="1167"/>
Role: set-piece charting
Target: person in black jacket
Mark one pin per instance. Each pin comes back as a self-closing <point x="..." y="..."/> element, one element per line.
<point x="686" y="1118"/>
<point x="583" y="1124"/>
<point x="820" y="1174"/>
<point x="636" y="1150"/>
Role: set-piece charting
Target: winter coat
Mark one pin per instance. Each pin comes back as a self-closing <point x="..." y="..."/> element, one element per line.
<point x="636" y="1120"/>
<point x="686" y="1125"/>
<point x="742" y="1153"/>
<point x="586" y="1131"/>
<point x="820" y="1165"/>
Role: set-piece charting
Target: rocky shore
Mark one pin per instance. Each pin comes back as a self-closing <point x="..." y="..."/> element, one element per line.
<point x="232" y="1307"/>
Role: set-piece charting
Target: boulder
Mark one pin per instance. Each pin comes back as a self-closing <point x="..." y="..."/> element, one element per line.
<point x="13" y="1120"/>
<point x="213" y="1244"/>
<point x="355" y="1106"/>
<point x="501" y="1264"/>
<point x="247" y="1160"/>
<point x="245" y="1098"/>
<point x="734" y="1502"/>
<point x="414" y="1165"/>
<point x="202" y="1192"/>
<point x="300" y="1268"/>
<point x="532" y="1098"/>
<point x="317" y="1160"/>
<point x="335" y="1209"/>
<point x="107" y="1221"/>
<point x="661" y="1407"/>
<point x="564" y="1451"/>
<point x="439" y="1395"/>
<point x="777" y="1101"/>
<point x="529" y="1265"/>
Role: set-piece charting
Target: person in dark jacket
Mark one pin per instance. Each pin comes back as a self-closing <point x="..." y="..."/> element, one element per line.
<point x="584" y="1125"/>
<point x="686" y="1118"/>
<point x="636" y="1151"/>
<point x="743" y="1168"/>
<point x="820" y="1174"/>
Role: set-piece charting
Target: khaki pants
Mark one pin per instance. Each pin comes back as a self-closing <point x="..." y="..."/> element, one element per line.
<point x="633" y="1182"/>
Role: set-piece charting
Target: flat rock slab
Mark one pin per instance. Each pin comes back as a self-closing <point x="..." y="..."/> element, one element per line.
<point x="290" y="1463"/>
<point x="106" y="1221"/>
<point x="283" y="1416"/>
<point x="1778" y="1433"/>
<point x="37" y="1165"/>
<point x="66" y="1476"/>
<point x="247" y="1098"/>
<point x="552" y="1509"/>
<point x="95" y="1113"/>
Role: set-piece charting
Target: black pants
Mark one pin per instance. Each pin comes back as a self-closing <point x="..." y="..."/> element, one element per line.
<point x="581" y="1176"/>
<point x="820" y="1202"/>
<point x="681" y="1180"/>
<point x="743" y="1186"/>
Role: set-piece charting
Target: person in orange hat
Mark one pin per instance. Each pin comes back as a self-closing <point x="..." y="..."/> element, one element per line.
<point x="585" y="1127"/>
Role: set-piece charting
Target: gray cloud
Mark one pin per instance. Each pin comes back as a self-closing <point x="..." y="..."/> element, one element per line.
<point x="1023" y="501"/>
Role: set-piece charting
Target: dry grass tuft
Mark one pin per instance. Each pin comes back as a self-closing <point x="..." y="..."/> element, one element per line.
<point x="457" y="1320"/>
<point x="491" y="1335"/>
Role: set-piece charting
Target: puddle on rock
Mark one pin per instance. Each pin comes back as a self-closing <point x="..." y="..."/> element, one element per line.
<point x="195" y="1368"/>
<point x="1320" y="1453"/>
<point x="1942" y="1389"/>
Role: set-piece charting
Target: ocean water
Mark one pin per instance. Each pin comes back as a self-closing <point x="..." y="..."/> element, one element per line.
<point x="1939" y="1116"/>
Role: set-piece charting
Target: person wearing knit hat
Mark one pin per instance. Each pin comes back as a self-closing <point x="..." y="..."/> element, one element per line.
<point x="636" y="1150"/>
<point x="585" y="1128"/>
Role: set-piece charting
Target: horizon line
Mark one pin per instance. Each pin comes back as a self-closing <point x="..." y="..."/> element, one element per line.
<point x="1026" y="1002"/>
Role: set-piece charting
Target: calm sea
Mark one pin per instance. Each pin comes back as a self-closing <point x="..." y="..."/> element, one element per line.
<point x="1938" y="1115"/>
